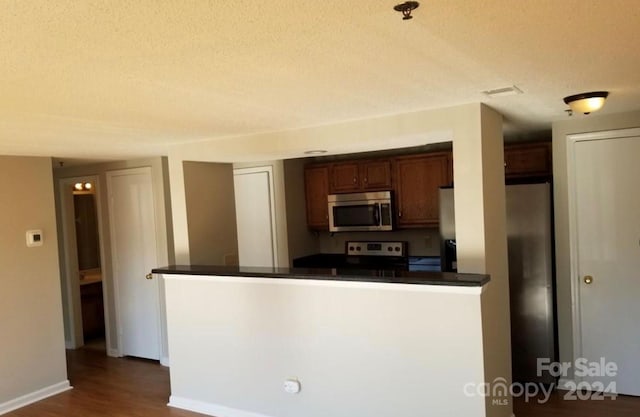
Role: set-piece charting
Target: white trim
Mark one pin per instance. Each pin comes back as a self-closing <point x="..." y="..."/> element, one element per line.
<point x="34" y="396"/>
<point x="68" y="344"/>
<point x="573" y="248"/>
<point x="164" y="361"/>
<point x="210" y="409"/>
<point x="272" y="203"/>
<point x="566" y="384"/>
<point x="572" y="141"/>
<point x="447" y="289"/>
<point x="605" y="134"/>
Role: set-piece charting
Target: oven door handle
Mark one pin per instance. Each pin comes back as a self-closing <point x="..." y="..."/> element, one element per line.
<point x="376" y="213"/>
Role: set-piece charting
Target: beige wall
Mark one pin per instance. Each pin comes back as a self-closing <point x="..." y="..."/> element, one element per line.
<point x="577" y="124"/>
<point x="32" y="347"/>
<point x="211" y="216"/>
<point x="164" y="232"/>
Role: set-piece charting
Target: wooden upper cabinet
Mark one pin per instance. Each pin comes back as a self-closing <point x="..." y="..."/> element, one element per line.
<point x="357" y="176"/>
<point x="345" y="177"/>
<point x="376" y="175"/>
<point x="528" y="160"/>
<point x="417" y="183"/>
<point x="316" y="186"/>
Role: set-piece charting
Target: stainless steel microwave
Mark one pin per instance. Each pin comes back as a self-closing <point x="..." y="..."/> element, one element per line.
<point x="358" y="212"/>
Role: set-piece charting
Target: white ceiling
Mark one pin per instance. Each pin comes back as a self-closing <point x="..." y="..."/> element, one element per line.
<point x="124" y="78"/>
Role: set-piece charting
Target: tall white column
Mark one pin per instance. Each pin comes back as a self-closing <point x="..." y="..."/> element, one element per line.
<point x="480" y="209"/>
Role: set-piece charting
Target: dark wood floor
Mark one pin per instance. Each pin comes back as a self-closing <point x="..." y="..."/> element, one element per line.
<point x="137" y="388"/>
<point x="114" y="387"/>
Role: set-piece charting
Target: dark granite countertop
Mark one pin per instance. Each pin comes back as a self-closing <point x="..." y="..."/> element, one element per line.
<point x="339" y="274"/>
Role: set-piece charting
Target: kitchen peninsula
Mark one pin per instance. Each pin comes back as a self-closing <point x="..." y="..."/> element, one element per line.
<point x="355" y="343"/>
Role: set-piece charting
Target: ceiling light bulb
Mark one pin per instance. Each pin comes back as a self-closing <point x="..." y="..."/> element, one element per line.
<point x="78" y="186"/>
<point x="587" y="102"/>
<point x="88" y="186"/>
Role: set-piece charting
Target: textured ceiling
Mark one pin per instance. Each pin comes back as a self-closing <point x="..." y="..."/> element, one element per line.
<point x="124" y="78"/>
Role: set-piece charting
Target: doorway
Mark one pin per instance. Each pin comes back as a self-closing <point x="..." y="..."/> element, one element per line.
<point x="84" y="290"/>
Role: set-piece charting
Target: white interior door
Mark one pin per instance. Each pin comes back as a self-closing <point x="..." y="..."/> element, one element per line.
<point x="253" y="188"/>
<point x="133" y="244"/>
<point x="607" y="220"/>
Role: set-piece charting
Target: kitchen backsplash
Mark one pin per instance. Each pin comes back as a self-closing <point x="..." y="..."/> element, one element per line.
<point x="422" y="242"/>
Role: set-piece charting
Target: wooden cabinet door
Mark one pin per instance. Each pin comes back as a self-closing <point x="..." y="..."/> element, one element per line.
<point x="418" y="179"/>
<point x="376" y="175"/>
<point x="345" y="178"/>
<point x="316" y="185"/>
<point x="527" y="160"/>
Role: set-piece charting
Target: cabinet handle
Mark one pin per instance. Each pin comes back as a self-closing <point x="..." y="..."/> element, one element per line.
<point x="400" y="213"/>
<point x="365" y="179"/>
<point x="355" y="180"/>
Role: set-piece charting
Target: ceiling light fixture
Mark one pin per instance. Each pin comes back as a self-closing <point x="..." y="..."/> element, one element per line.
<point x="315" y="152"/>
<point x="587" y="102"/>
<point x="406" y="8"/>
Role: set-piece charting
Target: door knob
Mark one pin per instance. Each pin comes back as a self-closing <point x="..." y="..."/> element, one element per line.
<point x="588" y="279"/>
<point x="149" y="276"/>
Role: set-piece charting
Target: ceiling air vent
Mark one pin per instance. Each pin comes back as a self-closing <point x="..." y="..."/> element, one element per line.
<point x="503" y="92"/>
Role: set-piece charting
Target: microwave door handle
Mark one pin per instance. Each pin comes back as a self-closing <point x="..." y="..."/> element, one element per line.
<point x="376" y="214"/>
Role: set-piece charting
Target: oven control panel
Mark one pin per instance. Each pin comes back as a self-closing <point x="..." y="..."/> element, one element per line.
<point x="376" y="248"/>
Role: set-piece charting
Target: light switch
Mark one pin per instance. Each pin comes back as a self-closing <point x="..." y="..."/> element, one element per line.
<point x="34" y="238"/>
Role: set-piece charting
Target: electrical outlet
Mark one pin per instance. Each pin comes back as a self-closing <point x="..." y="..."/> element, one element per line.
<point x="292" y="386"/>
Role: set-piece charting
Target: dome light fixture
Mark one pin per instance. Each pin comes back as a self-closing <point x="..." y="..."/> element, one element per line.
<point x="315" y="152"/>
<point x="586" y="102"/>
<point x="406" y="8"/>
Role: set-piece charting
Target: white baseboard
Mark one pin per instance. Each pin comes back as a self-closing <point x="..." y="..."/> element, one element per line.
<point x="209" y="409"/>
<point x="566" y="384"/>
<point x="113" y="353"/>
<point x="34" y="396"/>
<point x="68" y="345"/>
<point x="164" y="361"/>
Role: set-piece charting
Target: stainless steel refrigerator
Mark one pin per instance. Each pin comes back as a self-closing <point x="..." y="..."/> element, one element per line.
<point x="531" y="279"/>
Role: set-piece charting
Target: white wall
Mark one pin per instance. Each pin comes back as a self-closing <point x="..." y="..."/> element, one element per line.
<point x="211" y="216"/>
<point x="375" y="350"/>
<point x="481" y="237"/>
<point x="164" y="231"/>
<point x="476" y="133"/>
<point x="574" y="125"/>
<point x="32" y="354"/>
